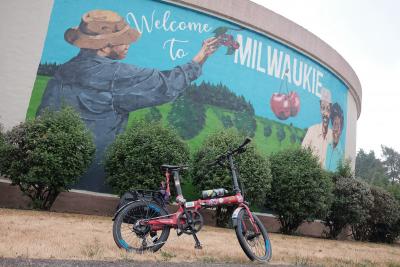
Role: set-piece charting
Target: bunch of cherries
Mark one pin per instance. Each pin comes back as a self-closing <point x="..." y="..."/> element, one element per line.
<point x="285" y="105"/>
<point x="228" y="41"/>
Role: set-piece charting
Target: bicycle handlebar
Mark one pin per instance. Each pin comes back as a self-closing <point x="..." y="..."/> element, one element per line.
<point x="245" y="143"/>
<point x="238" y="150"/>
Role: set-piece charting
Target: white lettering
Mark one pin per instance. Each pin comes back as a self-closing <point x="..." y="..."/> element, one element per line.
<point x="306" y="77"/>
<point x="297" y="81"/>
<point x="286" y="69"/>
<point x="165" y="23"/>
<point x="319" y="84"/>
<point x="149" y="28"/>
<point x="274" y="68"/>
<point x="178" y="53"/>
<point x="253" y="59"/>
<point x="313" y="81"/>
<point x="259" y="54"/>
<point x="243" y="54"/>
<point x="182" y="26"/>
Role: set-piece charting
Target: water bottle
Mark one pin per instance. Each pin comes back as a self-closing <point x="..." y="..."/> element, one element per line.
<point x="212" y="193"/>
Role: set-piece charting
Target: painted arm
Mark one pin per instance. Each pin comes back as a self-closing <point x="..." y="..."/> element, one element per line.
<point x="136" y="88"/>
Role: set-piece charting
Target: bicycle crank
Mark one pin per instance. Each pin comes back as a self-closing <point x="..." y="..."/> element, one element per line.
<point x="196" y="224"/>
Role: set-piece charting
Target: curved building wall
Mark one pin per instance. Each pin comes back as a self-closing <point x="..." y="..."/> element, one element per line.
<point x="267" y="79"/>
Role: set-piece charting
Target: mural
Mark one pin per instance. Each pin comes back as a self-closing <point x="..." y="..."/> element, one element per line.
<point x="119" y="61"/>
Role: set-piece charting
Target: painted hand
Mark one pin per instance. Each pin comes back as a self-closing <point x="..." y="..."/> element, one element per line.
<point x="209" y="46"/>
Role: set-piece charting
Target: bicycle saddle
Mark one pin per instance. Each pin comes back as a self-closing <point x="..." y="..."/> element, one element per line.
<point x="173" y="167"/>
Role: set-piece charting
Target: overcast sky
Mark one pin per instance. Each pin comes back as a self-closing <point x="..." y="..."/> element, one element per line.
<point x="367" y="34"/>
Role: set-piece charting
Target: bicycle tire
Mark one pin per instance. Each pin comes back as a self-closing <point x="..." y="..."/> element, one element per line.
<point x="248" y="241"/>
<point x="125" y="232"/>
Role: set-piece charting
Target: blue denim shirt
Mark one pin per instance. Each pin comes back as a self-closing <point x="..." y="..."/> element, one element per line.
<point x="333" y="156"/>
<point x="104" y="91"/>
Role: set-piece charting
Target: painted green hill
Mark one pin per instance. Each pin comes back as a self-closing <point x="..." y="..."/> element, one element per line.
<point x="213" y="123"/>
<point x="266" y="135"/>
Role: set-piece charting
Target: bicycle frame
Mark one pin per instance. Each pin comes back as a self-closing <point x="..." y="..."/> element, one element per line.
<point x="171" y="220"/>
<point x="152" y="232"/>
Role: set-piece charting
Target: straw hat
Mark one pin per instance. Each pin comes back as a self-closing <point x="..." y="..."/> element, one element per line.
<point x="100" y="28"/>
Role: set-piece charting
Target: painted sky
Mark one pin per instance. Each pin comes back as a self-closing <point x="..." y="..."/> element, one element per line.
<point x="367" y="34"/>
<point x="154" y="50"/>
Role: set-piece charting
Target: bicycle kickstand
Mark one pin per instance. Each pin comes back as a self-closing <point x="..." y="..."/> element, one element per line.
<point x="196" y="239"/>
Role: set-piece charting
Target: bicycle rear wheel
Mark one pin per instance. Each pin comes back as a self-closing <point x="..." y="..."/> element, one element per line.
<point x="257" y="246"/>
<point x="131" y="236"/>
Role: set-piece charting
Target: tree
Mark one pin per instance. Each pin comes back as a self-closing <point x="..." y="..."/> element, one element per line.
<point x="300" y="188"/>
<point x="352" y="199"/>
<point x="154" y="115"/>
<point x="135" y="157"/>
<point x="280" y="133"/>
<point x="2" y="146"/>
<point x="391" y="160"/>
<point x="267" y="130"/>
<point x="2" y="141"/>
<point x="46" y="156"/>
<point x="370" y="169"/>
<point x="255" y="174"/>
<point x="245" y="123"/>
<point x="187" y="117"/>
<point x="226" y="121"/>
<point x="373" y="170"/>
<point x="384" y="217"/>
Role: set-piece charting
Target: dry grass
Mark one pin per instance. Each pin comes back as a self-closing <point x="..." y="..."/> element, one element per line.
<point x="35" y="234"/>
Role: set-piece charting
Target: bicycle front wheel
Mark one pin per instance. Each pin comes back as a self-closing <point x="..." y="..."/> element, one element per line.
<point x="132" y="236"/>
<point x="254" y="242"/>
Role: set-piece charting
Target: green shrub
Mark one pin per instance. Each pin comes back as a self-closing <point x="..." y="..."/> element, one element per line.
<point x="254" y="169"/>
<point x="135" y="158"/>
<point x="394" y="189"/>
<point x="384" y="217"/>
<point x="300" y="188"/>
<point x="46" y="156"/>
<point x="344" y="169"/>
<point x="350" y="206"/>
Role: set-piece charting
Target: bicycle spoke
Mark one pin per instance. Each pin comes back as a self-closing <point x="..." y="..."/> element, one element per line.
<point x="133" y="235"/>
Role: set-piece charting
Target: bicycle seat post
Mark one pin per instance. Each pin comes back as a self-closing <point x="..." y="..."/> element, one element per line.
<point x="236" y="187"/>
<point x="179" y="198"/>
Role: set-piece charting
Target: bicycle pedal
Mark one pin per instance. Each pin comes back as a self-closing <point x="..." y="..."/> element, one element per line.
<point x="179" y="232"/>
<point x="154" y="239"/>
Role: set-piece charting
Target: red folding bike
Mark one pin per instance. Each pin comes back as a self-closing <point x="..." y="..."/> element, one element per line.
<point x="144" y="223"/>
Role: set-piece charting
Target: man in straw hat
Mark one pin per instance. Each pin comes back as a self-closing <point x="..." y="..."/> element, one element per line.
<point x="319" y="135"/>
<point x="104" y="90"/>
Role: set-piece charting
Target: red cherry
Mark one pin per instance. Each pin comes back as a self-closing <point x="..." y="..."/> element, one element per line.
<point x="224" y="42"/>
<point x="280" y="105"/>
<point x="294" y="101"/>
